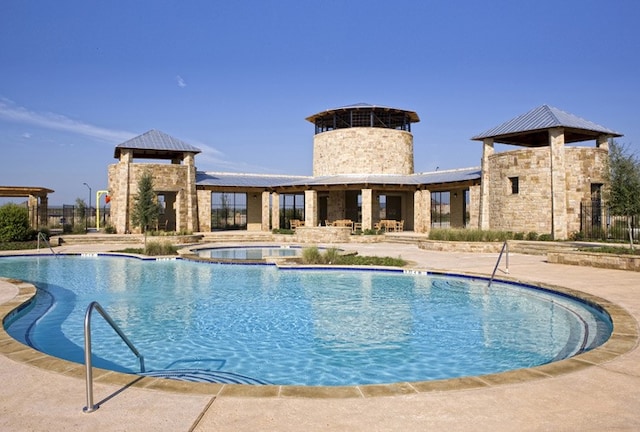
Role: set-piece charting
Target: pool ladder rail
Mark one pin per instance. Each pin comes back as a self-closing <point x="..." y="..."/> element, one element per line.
<point x="42" y="237"/>
<point x="505" y="247"/>
<point x="87" y="350"/>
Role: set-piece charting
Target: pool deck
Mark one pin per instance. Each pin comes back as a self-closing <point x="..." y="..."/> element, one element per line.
<point x="589" y="397"/>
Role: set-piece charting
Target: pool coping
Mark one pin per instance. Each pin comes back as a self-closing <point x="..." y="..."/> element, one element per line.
<point x="624" y="338"/>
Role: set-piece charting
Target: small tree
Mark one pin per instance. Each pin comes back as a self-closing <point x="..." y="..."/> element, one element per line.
<point x="146" y="209"/>
<point x="624" y="184"/>
<point x="81" y="212"/>
<point x="14" y="223"/>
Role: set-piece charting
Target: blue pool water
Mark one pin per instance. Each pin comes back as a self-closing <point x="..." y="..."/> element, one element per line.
<point x="259" y="324"/>
<point x="248" y="253"/>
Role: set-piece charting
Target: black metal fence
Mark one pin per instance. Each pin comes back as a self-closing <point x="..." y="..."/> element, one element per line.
<point x="597" y="223"/>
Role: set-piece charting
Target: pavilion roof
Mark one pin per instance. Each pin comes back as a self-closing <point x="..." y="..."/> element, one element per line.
<point x="531" y="129"/>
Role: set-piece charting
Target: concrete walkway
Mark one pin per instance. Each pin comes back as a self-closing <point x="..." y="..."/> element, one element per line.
<point x="604" y="396"/>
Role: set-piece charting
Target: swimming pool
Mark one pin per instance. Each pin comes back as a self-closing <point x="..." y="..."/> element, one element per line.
<point x="249" y="253"/>
<point x="259" y="324"/>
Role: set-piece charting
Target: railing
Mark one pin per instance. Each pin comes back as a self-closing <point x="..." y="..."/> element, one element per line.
<point x="505" y="247"/>
<point x="44" y="239"/>
<point x="87" y="350"/>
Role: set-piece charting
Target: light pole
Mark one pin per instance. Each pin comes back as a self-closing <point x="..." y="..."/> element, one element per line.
<point x="86" y="219"/>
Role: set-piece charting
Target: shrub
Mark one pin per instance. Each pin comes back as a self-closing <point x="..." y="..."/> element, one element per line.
<point x="110" y="229"/>
<point x="532" y="235"/>
<point x="14" y="224"/>
<point x="545" y="237"/>
<point x="154" y="248"/>
<point x="311" y="255"/>
<point x="518" y="236"/>
<point x="282" y="231"/>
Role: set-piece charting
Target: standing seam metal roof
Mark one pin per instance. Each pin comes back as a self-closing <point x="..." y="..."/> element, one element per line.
<point x="269" y="181"/>
<point x="155" y="140"/>
<point x="544" y="117"/>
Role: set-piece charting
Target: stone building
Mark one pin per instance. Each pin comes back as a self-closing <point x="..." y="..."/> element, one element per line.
<point x="363" y="176"/>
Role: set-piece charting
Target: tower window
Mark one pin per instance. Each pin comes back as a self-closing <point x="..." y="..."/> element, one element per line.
<point x="515" y="185"/>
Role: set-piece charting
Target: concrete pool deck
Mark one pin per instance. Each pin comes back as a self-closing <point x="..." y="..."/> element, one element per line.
<point x="605" y="395"/>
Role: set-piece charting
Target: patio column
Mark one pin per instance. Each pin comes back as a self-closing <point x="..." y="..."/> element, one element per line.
<point x="422" y="211"/>
<point x="33" y="211"/>
<point x="367" y="209"/>
<point x="484" y="216"/>
<point x="275" y="210"/>
<point x="558" y="185"/>
<point x="265" y="211"/>
<point x="44" y="211"/>
<point x="310" y="208"/>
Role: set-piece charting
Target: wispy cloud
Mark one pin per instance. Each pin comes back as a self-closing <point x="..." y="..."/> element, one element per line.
<point x="181" y="82"/>
<point x="9" y="111"/>
<point x="26" y="135"/>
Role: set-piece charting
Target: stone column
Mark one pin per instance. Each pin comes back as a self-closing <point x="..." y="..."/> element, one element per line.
<point x="44" y="211"/>
<point x="33" y="211"/>
<point x="603" y="142"/>
<point x="484" y="216"/>
<point x="310" y="208"/>
<point x="190" y="194"/>
<point x="367" y="209"/>
<point x="558" y="185"/>
<point x="422" y="211"/>
<point x="265" y="211"/>
<point x="275" y="211"/>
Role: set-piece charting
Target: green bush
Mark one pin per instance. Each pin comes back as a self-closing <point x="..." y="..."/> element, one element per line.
<point x="283" y="231"/>
<point x="532" y="235"/>
<point x="110" y="229"/>
<point x="154" y="248"/>
<point x="14" y="224"/>
<point x="312" y="255"/>
<point x="545" y="237"/>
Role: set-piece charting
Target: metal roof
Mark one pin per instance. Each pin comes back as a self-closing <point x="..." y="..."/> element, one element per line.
<point x="156" y="145"/>
<point x="413" y="116"/>
<point x="243" y="180"/>
<point x="530" y="129"/>
<point x="275" y="181"/>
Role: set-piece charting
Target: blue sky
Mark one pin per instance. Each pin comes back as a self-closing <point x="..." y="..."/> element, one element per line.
<point x="238" y="78"/>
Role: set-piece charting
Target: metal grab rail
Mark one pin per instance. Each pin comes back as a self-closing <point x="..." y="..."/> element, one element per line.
<point x="44" y="239"/>
<point x="87" y="350"/>
<point x="505" y="246"/>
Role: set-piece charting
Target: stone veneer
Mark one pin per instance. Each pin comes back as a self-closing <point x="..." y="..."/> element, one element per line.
<point x="531" y="208"/>
<point x="363" y="150"/>
<point x="123" y="188"/>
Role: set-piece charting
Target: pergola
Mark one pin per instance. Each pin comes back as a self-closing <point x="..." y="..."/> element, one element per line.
<point x="38" y="201"/>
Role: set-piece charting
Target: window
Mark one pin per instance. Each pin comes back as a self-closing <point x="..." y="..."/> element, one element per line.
<point x="228" y="210"/>
<point x="515" y="185"/>
<point x="291" y="207"/>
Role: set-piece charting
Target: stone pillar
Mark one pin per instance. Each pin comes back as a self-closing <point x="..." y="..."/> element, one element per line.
<point x="44" y="211"/>
<point x="33" y="211"/>
<point x="603" y="142"/>
<point x="474" y="206"/>
<point x="191" y="197"/>
<point x="484" y="216"/>
<point x="311" y="208"/>
<point x="275" y="211"/>
<point x="558" y="185"/>
<point x="367" y="209"/>
<point x="422" y="211"/>
<point x="265" y="211"/>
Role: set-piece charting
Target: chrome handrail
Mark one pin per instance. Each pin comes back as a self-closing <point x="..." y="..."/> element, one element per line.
<point x="87" y="350"/>
<point x="505" y="246"/>
<point x="44" y="239"/>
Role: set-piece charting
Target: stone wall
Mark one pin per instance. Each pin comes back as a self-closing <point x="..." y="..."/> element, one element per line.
<point x="531" y="208"/>
<point x="316" y="235"/>
<point x="123" y="188"/>
<point x="363" y="150"/>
